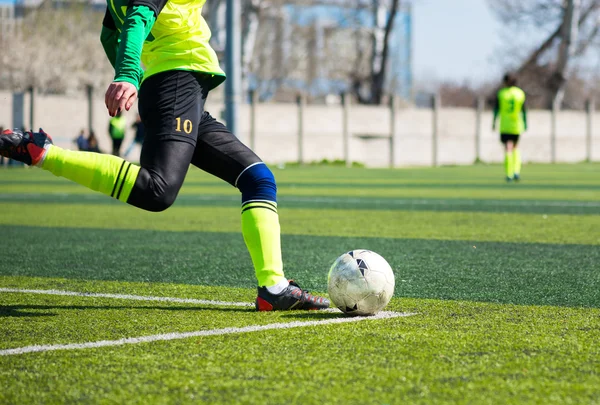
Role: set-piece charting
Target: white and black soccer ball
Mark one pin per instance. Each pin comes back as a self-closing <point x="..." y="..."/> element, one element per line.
<point x="360" y="282"/>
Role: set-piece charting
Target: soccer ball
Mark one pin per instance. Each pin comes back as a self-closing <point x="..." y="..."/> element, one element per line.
<point x="360" y="282"/>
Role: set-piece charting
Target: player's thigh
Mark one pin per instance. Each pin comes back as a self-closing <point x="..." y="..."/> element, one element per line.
<point x="165" y="163"/>
<point x="170" y="106"/>
<point x="221" y="153"/>
<point x="505" y="138"/>
<point x="516" y="140"/>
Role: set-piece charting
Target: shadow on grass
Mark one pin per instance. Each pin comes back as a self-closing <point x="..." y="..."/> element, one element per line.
<point x="15" y="312"/>
<point x="24" y="310"/>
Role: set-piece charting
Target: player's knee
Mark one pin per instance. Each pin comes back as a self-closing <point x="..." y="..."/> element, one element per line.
<point x="257" y="183"/>
<point x="153" y="193"/>
<point x="160" y="202"/>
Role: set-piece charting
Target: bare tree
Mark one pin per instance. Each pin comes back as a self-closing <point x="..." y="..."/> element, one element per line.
<point x="284" y="51"/>
<point x="55" y="51"/>
<point x="255" y="13"/>
<point x="369" y="88"/>
<point x="572" y="26"/>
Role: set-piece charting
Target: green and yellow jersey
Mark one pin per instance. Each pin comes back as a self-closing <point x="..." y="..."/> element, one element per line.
<point x="162" y="34"/>
<point x="510" y="106"/>
<point x="117" y="126"/>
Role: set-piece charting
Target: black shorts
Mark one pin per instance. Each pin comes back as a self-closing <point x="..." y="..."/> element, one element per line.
<point x="117" y="143"/>
<point x="171" y="106"/>
<point x="504" y="138"/>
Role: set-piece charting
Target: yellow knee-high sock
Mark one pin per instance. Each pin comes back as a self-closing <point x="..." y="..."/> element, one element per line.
<point x="508" y="165"/>
<point x="107" y="174"/>
<point x="517" y="161"/>
<point x="261" y="231"/>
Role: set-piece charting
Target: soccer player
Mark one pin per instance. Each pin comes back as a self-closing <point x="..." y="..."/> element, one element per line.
<point x="510" y="105"/>
<point x="171" y="39"/>
<point x="116" y="131"/>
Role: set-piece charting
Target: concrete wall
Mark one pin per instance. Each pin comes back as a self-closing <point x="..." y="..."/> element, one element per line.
<point x="277" y="131"/>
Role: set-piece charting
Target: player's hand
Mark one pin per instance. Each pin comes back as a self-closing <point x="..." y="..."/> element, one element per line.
<point x="119" y="96"/>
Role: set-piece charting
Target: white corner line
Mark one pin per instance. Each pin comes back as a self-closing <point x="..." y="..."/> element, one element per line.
<point x="128" y="297"/>
<point x="185" y="335"/>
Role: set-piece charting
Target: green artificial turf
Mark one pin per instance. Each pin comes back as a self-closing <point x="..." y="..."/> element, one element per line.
<point x="503" y="281"/>
<point x="520" y="273"/>
<point x="449" y="352"/>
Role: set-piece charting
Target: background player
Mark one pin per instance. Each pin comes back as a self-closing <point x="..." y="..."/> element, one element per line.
<point x="171" y="39"/>
<point x="510" y="106"/>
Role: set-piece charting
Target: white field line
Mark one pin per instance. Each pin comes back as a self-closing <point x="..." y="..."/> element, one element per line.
<point x="185" y="335"/>
<point x="175" y="336"/>
<point x="128" y="297"/>
<point x="451" y="202"/>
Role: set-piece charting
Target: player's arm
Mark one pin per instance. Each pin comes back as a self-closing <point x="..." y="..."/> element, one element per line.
<point x="140" y="17"/>
<point x="138" y="24"/>
<point x="109" y="38"/>
<point x="496" y="112"/>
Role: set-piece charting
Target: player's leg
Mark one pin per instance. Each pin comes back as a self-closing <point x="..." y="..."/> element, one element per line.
<point x="107" y="174"/>
<point x="221" y="154"/>
<point x="116" y="146"/>
<point x="129" y="149"/>
<point x="165" y="161"/>
<point x="508" y="160"/>
<point x="170" y="105"/>
<point x="516" y="158"/>
<point x="119" y="143"/>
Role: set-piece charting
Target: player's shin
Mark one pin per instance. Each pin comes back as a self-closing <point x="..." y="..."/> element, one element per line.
<point x="107" y="174"/>
<point x="260" y="225"/>
<point x="508" y="165"/>
<point x="261" y="231"/>
<point x="517" y="161"/>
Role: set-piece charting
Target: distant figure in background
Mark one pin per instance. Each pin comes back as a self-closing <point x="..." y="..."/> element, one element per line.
<point x="510" y="105"/>
<point x="93" y="143"/>
<point x="81" y="141"/>
<point x="138" y="126"/>
<point x="116" y="130"/>
<point x="87" y="143"/>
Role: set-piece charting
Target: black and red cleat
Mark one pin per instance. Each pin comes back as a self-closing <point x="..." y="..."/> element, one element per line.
<point x="292" y="298"/>
<point x="28" y="147"/>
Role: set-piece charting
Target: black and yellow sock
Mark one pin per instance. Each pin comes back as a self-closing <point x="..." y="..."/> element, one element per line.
<point x="107" y="174"/>
<point x="508" y="165"/>
<point x="261" y="231"/>
<point x="516" y="157"/>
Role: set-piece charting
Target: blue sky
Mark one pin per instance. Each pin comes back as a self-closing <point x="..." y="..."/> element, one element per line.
<point x="455" y="40"/>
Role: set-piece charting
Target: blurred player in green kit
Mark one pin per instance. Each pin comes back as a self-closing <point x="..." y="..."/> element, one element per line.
<point x="171" y="39"/>
<point x="510" y="106"/>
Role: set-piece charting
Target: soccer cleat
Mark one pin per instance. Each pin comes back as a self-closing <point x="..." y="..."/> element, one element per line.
<point x="509" y="179"/>
<point x="28" y="147"/>
<point x="517" y="177"/>
<point x="293" y="297"/>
